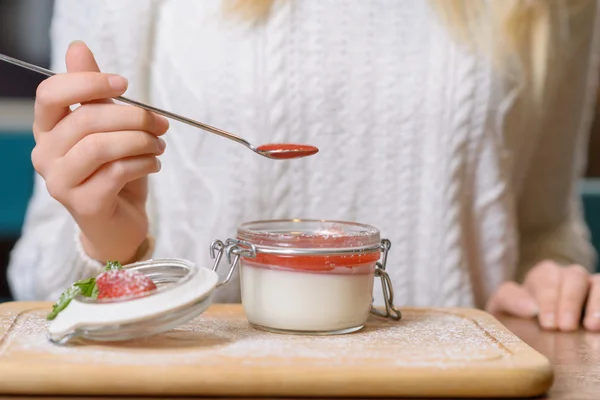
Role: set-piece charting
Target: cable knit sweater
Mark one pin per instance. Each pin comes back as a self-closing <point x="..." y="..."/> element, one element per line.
<point x="418" y="136"/>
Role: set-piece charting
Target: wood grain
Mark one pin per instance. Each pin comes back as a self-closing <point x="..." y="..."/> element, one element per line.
<point x="450" y="352"/>
<point x="575" y="358"/>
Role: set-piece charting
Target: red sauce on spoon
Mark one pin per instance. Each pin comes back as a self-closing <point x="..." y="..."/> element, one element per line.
<point x="286" y="151"/>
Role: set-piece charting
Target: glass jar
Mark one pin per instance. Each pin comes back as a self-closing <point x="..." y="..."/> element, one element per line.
<point x="308" y="276"/>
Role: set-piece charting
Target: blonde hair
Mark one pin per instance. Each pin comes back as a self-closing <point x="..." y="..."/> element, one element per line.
<point x="255" y="10"/>
<point x="526" y="38"/>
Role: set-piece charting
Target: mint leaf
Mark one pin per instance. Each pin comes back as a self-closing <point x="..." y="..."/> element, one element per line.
<point x="64" y="300"/>
<point x="95" y="292"/>
<point x="85" y="287"/>
<point x="113" y="265"/>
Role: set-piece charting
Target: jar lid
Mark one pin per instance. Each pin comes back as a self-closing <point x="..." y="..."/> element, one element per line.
<point x="183" y="292"/>
<point x="305" y="236"/>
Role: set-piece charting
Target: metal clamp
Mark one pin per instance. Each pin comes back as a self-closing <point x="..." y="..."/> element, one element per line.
<point x="234" y="250"/>
<point x="386" y="285"/>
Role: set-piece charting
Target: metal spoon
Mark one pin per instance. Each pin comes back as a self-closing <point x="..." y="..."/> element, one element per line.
<point x="273" y="151"/>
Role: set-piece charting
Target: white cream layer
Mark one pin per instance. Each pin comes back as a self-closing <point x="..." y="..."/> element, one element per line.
<point x="305" y="301"/>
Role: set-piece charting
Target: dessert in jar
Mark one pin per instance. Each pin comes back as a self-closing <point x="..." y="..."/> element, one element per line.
<point x="309" y="276"/>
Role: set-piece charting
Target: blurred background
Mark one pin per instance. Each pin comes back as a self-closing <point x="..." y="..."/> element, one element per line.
<point x="24" y="34"/>
<point x="24" y="26"/>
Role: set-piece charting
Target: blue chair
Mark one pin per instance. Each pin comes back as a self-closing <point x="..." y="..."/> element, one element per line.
<point x="16" y="175"/>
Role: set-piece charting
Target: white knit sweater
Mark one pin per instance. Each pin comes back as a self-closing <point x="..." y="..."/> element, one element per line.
<point x="418" y="137"/>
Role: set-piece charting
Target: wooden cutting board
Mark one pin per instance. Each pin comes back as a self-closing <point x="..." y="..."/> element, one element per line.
<point x="430" y="353"/>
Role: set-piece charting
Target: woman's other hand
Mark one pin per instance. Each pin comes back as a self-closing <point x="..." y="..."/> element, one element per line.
<point x="95" y="160"/>
<point x="559" y="297"/>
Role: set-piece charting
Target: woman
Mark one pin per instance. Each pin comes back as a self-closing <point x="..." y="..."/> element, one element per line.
<point x="456" y="127"/>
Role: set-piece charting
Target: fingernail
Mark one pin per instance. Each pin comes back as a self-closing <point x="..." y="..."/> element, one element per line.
<point x="569" y="321"/>
<point x="548" y="321"/>
<point x="592" y="324"/>
<point x="592" y="321"/>
<point x="162" y="144"/>
<point x="530" y="308"/>
<point x="74" y="42"/>
<point x="163" y="120"/>
<point x="118" y="83"/>
<point x="159" y="164"/>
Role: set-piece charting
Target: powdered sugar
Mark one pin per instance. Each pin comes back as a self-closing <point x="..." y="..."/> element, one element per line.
<point x="435" y="339"/>
<point x="6" y="320"/>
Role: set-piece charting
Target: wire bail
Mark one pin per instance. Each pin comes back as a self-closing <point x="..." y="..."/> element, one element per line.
<point x="386" y="286"/>
<point x="231" y="247"/>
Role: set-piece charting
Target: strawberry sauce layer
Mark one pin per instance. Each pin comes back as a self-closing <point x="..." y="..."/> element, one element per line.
<point x="315" y="263"/>
<point x="314" y="239"/>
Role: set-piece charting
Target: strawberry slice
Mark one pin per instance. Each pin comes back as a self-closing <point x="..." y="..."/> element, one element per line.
<point x="115" y="284"/>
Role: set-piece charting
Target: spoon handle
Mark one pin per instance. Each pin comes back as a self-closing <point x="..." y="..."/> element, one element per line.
<point x="135" y="103"/>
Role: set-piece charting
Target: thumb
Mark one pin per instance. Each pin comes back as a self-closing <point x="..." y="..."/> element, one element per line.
<point x="513" y="299"/>
<point x="79" y="58"/>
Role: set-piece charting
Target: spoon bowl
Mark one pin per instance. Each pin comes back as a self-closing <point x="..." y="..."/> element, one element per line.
<point x="286" y="151"/>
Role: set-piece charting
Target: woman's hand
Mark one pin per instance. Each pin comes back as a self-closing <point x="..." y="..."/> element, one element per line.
<point x="558" y="296"/>
<point x="95" y="160"/>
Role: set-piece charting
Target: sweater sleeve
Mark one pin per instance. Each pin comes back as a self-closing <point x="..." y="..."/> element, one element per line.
<point x="48" y="256"/>
<point x="551" y="220"/>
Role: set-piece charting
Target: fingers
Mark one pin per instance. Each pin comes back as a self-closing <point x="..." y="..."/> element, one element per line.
<point x="573" y="292"/>
<point x="102" y="118"/>
<point x="95" y="195"/>
<point x="78" y="59"/>
<point x="111" y="178"/>
<point x="513" y="299"/>
<point x="95" y="150"/>
<point x="560" y="293"/>
<point x="592" y="313"/>
<point x="543" y="283"/>
<point x="56" y="94"/>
